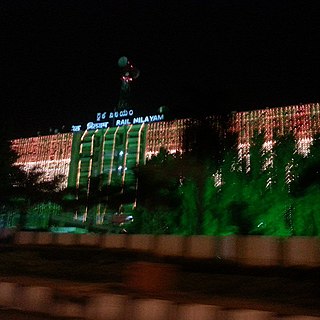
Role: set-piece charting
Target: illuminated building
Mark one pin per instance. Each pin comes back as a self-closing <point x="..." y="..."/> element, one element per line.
<point x="51" y="154"/>
<point x="111" y="153"/>
<point x="303" y="121"/>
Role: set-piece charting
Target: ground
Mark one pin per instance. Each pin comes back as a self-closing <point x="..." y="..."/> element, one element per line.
<point x="78" y="272"/>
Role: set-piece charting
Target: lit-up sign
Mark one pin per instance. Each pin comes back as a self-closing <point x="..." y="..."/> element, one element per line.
<point x="118" y="118"/>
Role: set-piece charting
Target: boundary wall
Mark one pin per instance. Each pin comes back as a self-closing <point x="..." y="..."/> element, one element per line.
<point x="260" y="251"/>
<point x="43" y="301"/>
<point x="246" y="250"/>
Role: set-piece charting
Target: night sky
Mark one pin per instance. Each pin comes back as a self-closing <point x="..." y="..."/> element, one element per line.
<point x="59" y="58"/>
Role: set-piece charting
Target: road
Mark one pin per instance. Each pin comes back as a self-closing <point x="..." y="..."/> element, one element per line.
<point x="9" y="314"/>
<point x="79" y="272"/>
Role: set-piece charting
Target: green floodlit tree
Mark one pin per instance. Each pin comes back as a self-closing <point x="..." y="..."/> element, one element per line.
<point x="277" y="195"/>
<point x="306" y="190"/>
<point x="215" y="193"/>
<point x="220" y="194"/>
<point x="210" y="221"/>
<point x="252" y="188"/>
<point x="157" y="195"/>
<point x="275" y="209"/>
<point x="236" y="200"/>
<point x="255" y="199"/>
<point x="230" y="206"/>
<point x="205" y="143"/>
<point x="306" y="218"/>
<point x="292" y="164"/>
<point x="189" y="192"/>
<point x="181" y="196"/>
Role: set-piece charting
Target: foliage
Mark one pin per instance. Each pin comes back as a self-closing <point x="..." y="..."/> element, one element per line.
<point x="198" y="166"/>
<point x="158" y="221"/>
<point x="158" y="182"/>
<point x="23" y="191"/>
<point x="7" y="169"/>
<point x="305" y="190"/>
<point x="190" y="214"/>
<point x="274" y="193"/>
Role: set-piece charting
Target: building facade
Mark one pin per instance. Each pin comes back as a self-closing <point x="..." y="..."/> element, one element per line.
<point x="110" y="152"/>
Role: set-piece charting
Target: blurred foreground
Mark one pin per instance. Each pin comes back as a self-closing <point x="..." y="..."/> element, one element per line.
<point x="76" y="273"/>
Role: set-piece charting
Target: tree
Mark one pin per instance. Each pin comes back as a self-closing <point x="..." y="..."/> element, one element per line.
<point x="8" y="171"/>
<point x="253" y="197"/>
<point x="206" y="142"/>
<point x="158" y="180"/>
<point x="305" y="189"/>
<point x="30" y="188"/>
<point x="158" y="194"/>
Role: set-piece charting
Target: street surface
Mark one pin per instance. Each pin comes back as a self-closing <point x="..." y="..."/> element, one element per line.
<point x="76" y="273"/>
<point x="9" y="314"/>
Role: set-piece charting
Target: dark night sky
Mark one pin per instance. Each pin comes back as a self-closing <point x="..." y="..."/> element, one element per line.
<point x="59" y="58"/>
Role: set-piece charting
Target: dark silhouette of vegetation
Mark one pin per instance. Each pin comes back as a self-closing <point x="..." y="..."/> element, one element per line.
<point x="21" y="190"/>
<point x="158" y="194"/>
<point x="172" y="189"/>
<point x="206" y="141"/>
<point x="308" y="174"/>
<point x="31" y="189"/>
<point x="8" y="171"/>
